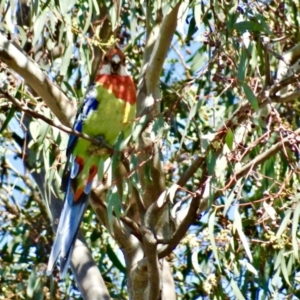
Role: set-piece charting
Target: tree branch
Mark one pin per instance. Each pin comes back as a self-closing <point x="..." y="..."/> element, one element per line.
<point x="161" y="48"/>
<point x="153" y="289"/>
<point x="87" y="274"/>
<point x="121" y="234"/>
<point x="38" y="80"/>
<point x="155" y="53"/>
<point x="287" y="59"/>
<point x="97" y="202"/>
<point x="290" y="96"/>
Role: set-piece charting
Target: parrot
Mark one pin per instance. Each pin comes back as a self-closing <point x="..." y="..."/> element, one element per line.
<point x="108" y="110"/>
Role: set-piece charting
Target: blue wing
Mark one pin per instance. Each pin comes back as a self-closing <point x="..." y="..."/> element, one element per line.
<point x="89" y="104"/>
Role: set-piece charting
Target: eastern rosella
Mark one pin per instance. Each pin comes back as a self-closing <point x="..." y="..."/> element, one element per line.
<point x="107" y="110"/>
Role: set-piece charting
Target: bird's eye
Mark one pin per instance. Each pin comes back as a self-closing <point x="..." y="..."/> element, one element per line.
<point x="105" y="59"/>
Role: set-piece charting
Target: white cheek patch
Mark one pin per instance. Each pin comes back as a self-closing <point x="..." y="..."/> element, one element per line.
<point x="123" y="71"/>
<point x="105" y="70"/>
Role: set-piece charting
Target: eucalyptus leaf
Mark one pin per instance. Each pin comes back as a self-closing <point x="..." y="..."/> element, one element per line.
<point x="229" y="138"/>
<point x="39" y="26"/>
<point x="295" y="226"/>
<point x="250" y="96"/>
<point x="249" y="26"/>
<point x="211" y="225"/>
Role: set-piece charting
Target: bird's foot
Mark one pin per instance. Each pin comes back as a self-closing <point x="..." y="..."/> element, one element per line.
<point x="100" y="149"/>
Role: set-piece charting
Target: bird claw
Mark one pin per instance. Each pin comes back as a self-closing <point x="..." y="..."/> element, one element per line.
<point x="102" y="142"/>
<point x="100" y="149"/>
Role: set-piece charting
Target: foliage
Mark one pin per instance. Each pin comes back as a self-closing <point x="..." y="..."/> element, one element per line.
<point x="227" y="132"/>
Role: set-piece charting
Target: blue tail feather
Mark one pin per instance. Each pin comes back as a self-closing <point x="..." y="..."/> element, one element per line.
<point x="69" y="223"/>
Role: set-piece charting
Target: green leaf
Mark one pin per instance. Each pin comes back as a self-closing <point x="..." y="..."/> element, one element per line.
<point x="197" y="61"/>
<point x="284" y="223"/>
<point x="238" y="226"/>
<point x="291" y="263"/>
<point x="138" y="127"/>
<point x="295" y="224"/>
<point x="125" y="189"/>
<point x="70" y="89"/>
<point x="243" y="65"/>
<point x="159" y="127"/>
<point x="195" y="261"/>
<point x="172" y="191"/>
<point x="263" y="23"/>
<point x="44" y="128"/>
<point x="133" y="163"/>
<point x="114" y="258"/>
<point x="229" y="138"/>
<point x="113" y="205"/>
<point x="89" y="18"/>
<point x="133" y="21"/>
<point x="85" y="56"/>
<point x="278" y="259"/>
<point x="31" y="284"/>
<point x="110" y="216"/>
<point x="9" y="116"/>
<point x="238" y="294"/>
<point x="250" y="96"/>
<point x="115" y="160"/>
<point x="284" y="271"/>
<point x="148" y="174"/>
<point x="120" y="145"/>
<point x="65" y="6"/>
<point x="34" y="129"/>
<point x="275" y="278"/>
<point x="254" y="57"/>
<point x="66" y="60"/>
<point x="101" y="169"/>
<point x="230" y="198"/>
<point x="116" y="202"/>
<point x="22" y="35"/>
<point x="198" y="14"/>
<point x="114" y="13"/>
<point x="211" y="225"/>
<point x="96" y="7"/>
<point x="248" y="26"/>
<point x="251" y="269"/>
<point x="182" y="15"/>
<point x="39" y="26"/>
<point x="211" y="162"/>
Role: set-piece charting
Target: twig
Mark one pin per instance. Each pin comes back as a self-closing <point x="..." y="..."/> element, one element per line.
<point x="54" y="122"/>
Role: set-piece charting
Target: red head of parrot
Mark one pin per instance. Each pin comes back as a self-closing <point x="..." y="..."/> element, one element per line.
<point x="114" y="77"/>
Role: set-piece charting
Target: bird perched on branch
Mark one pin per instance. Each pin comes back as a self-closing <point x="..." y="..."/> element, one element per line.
<point x="107" y="111"/>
